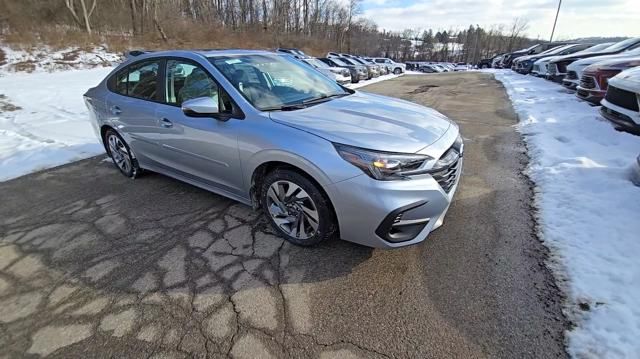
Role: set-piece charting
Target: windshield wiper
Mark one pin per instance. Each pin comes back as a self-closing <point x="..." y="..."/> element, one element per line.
<point x="290" y="107"/>
<point x="324" y="98"/>
<point x="304" y="103"/>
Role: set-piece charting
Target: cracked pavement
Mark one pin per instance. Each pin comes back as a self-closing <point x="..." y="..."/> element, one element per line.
<point x="93" y="264"/>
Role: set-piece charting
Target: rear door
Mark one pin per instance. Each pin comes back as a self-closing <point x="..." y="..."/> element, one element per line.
<point x="132" y="101"/>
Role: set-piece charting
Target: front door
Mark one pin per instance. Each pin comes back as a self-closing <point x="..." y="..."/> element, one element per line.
<point x="201" y="148"/>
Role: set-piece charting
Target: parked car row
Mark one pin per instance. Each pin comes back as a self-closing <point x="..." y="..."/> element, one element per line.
<point x="435" y="67"/>
<point x="344" y="68"/>
<point x="603" y="74"/>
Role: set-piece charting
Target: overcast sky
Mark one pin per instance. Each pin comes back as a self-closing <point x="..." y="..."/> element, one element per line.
<point x="578" y="18"/>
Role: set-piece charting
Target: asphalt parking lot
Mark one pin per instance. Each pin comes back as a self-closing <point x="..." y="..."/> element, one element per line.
<point x="93" y="264"/>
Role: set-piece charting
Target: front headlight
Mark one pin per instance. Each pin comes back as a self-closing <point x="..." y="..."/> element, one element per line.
<point x="384" y="166"/>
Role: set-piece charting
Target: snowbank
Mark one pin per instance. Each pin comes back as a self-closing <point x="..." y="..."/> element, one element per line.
<point x="44" y="121"/>
<point x="44" y="59"/>
<point x="589" y="212"/>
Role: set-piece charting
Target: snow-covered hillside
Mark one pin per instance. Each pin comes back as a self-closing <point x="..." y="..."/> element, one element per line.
<point x="589" y="212"/>
<point x="45" y="59"/>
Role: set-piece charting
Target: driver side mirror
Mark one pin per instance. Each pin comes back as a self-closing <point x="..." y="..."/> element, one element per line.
<point x="200" y="107"/>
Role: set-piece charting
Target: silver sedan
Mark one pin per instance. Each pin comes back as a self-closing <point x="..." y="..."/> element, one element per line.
<point x="320" y="160"/>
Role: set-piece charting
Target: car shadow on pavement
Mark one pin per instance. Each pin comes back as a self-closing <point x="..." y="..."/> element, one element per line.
<point x="88" y="257"/>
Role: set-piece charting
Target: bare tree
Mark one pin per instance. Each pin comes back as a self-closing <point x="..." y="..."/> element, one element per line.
<point x="86" y="13"/>
<point x="518" y="26"/>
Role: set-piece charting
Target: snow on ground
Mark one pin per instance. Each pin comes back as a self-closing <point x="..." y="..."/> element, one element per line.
<point x="589" y="212"/>
<point x="44" y="121"/>
<point x="45" y="59"/>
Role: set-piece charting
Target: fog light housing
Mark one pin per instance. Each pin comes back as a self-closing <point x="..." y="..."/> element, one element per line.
<point x="403" y="224"/>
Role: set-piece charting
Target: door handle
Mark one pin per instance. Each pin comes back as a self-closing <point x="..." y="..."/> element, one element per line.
<point x="166" y="123"/>
<point x="115" y="110"/>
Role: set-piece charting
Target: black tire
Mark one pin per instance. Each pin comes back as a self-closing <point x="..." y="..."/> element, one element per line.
<point x="132" y="169"/>
<point x="326" y="225"/>
<point x="397" y="71"/>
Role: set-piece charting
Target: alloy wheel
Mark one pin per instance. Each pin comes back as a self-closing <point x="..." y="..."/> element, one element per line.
<point x="292" y="209"/>
<point x="119" y="153"/>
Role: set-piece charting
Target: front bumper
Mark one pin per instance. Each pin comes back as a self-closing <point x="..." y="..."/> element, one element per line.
<point x="524" y="68"/>
<point x="593" y="96"/>
<point x="570" y="84"/>
<point x="621" y="118"/>
<point x="364" y="207"/>
<point x="342" y="80"/>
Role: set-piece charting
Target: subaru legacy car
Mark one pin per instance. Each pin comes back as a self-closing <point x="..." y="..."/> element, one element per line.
<point x="320" y="160"/>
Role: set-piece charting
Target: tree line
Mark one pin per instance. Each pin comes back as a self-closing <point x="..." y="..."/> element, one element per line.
<point x="316" y="26"/>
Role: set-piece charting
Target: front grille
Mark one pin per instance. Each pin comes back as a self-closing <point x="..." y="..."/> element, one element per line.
<point x="572" y="75"/>
<point x="622" y="98"/>
<point x="446" y="177"/>
<point x="562" y="67"/>
<point x="536" y="68"/>
<point x="587" y="82"/>
<point x="553" y="69"/>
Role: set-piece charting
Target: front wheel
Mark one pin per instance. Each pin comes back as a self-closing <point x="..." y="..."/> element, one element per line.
<point x="296" y="208"/>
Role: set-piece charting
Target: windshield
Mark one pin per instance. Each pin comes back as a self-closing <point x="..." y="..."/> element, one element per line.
<point x="349" y="61"/>
<point x="598" y="47"/>
<point x="621" y="45"/>
<point x="633" y="52"/>
<point x="339" y="62"/>
<point x="358" y="61"/>
<point x="559" y="49"/>
<point x="271" y="82"/>
<point x="316" y="63"/>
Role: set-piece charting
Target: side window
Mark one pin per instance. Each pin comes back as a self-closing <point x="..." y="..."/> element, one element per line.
<point x="142" y="81"/>
<point x="186" y="80"/>
<point x="121" y="83"/>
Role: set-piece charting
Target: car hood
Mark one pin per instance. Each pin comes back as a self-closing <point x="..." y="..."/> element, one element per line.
<point x="332" y="68"/>
<point x="583" y="55"/>
<point x="582" y="63"/>
<point x="628" y="80"/>
<point x="370" y="121"/>
<point x="546" y="60"/>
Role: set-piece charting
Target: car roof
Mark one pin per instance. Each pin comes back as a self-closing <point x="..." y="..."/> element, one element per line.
<point x="203" y="52"/>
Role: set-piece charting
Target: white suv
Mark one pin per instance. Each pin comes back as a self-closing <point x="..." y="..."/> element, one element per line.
<point x="621" y="104"/>
<point x="395" y="67"/>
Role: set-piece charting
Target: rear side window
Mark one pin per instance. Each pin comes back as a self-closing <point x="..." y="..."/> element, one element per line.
<point x="121" y="83"/>
<point x="142" y="81"/>
<point x="138" y="80"/>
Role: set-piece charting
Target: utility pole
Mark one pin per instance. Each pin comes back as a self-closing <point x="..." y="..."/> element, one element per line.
<point x="475" y="47"/>
<point x="555" y="21"/>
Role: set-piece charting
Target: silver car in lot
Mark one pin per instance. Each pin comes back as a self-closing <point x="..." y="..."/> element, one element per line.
<point x="319" y="159"/>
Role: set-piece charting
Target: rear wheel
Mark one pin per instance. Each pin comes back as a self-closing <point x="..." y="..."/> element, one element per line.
<point x="397" y="71"/>
<point x="297" y="209"/>
<point x="121" y="155"/>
